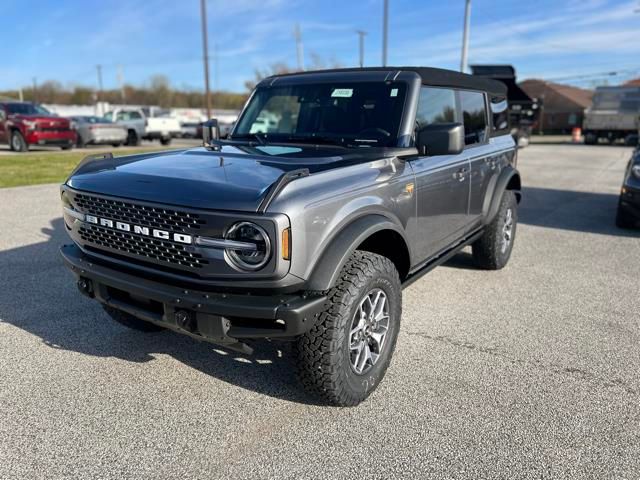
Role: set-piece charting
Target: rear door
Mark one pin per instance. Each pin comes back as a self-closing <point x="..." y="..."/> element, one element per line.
<point x="484" y="163"/>
<point x="442" y="182"/>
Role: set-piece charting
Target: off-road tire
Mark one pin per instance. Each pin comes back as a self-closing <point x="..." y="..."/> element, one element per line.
<point x="624" y="220"/>
<point x="17" y="142"/>
<point x="129" y="321"/>
<point x="488" y="251"/>
<point x="323" y="357"/>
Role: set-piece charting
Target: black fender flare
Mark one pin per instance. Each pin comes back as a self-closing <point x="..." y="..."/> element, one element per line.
<point x="497" y="186"/>
<point x="327" y="268"/>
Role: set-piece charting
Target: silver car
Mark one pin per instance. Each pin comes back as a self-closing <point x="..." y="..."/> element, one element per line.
<point x="98" y="130"/>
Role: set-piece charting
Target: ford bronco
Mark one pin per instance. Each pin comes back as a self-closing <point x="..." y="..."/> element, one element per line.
<point x="306" y="229"/>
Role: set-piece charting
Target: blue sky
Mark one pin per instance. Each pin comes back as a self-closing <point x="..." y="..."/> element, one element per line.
<point x="567" y="40"/>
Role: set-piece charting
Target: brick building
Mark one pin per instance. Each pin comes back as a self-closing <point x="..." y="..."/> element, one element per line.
<point x="562" y="108"/>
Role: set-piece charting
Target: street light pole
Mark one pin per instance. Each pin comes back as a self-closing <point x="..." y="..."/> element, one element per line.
<point x="361" y="35"/>
<point x="385" y="32"/>
<point x="297" y="34"/>
<point x="465" y="36"/>
<point x="205" y="56"/>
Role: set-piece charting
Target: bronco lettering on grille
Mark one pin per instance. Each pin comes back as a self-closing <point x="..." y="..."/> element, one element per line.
<point x="140" y="230"/>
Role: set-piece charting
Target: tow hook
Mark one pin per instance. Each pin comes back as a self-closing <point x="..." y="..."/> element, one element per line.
<point x="185" y="320"/>
<point x="85" y="286"/>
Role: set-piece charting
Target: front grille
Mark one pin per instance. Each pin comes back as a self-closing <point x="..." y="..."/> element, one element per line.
<point x="156" y="217"/>
<point x="151" y="248"/>
<point x="53" y="129"/>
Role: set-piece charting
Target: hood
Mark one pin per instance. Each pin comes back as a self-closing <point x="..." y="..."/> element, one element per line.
<point x="46" y="119"/>
<point x="235" y="178"/>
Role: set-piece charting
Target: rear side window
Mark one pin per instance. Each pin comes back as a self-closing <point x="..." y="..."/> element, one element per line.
<point x="500" y="114"/>
<point x="474" y="117"/>
<point x="436" y="105"/>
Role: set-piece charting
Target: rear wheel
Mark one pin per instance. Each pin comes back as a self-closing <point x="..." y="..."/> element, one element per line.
<point x="493" y="250"/>
<point x="344" y="357"/>
<point x="17" y="142"/>
<point x="80" y="143"/>
<point x="129" y="321"/>
<point x="116" y="145"/>
<point x="132" y="138"/>
<point x="165" y="140"/>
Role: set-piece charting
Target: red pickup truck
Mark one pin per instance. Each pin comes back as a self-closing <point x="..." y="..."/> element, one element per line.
<point x="23" y="124"/>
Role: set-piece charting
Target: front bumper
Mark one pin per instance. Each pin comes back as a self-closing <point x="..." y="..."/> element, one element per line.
<point x="221" y="318"/>
<point x="63" y="138"/>
<point x="630" y="201"/>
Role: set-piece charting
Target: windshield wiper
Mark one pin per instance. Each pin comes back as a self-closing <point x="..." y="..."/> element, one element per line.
<point x="320" y="140"/>
<point x="261" y="140"/>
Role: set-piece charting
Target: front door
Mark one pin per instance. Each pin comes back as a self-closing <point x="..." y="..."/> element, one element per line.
<point x="442" y="189"/>
<point x="442" y="182"/>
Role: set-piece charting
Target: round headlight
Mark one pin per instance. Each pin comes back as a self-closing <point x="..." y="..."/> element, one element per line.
<point x="248" y="259"/>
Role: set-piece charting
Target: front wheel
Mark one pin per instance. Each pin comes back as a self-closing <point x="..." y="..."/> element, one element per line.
<point x="624" y="219"/>
<point x="493" y="250"/>
<point x="344" y="357"/>
<point x="165" y="140"/>
<point x="17" y="142"/>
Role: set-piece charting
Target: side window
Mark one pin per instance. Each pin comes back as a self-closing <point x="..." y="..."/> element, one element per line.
<point x="135" y="115"/>
<point x="474" y="116"/>
<point x="122" y="116"/>
<point x="436" y="105"/>
<point x="500" y="114"/>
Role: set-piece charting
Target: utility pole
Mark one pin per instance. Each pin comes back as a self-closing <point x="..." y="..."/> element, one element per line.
<point x="205" y="56"/>
<point x="35" y="89"/>
<point x="361" y="35"/>
<point x="99" y="92"/>
<point x="385" y="32"/>
<point x="465" y="36"/>
<point x="297" y="34"/>
<point x="216" y="84"/>
<point x="120" y="77"/>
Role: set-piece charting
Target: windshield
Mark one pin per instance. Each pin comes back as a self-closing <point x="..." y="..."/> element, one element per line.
<point x="94" y="120"/>
<point x="350" y="114"/>
<point x="26" y="109"/>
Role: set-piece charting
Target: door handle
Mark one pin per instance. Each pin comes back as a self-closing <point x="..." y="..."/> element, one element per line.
<point x="461" y="174"/>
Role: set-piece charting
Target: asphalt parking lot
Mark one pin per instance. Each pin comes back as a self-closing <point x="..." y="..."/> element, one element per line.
<point x="530" y="372"/>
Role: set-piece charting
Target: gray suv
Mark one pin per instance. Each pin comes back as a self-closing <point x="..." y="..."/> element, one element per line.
<point x="306" y="231"/>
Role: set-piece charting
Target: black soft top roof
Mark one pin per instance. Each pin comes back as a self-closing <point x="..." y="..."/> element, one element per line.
<point x="436" y="77"/>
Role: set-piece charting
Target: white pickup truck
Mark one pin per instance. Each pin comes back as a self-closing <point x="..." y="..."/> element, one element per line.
<point x="143" y="125"/>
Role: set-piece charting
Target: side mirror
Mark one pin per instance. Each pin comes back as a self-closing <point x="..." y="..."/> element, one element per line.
<point x="440" y="139"/>
<point x="210" y="131"/>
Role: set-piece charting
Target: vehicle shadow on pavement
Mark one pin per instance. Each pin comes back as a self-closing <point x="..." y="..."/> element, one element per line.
<point x="576" y="211"/>
<point x="561" y="209"/>
<point x="38" y="295"/>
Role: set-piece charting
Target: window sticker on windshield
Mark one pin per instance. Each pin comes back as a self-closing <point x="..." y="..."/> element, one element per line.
<point x="394" y="92"/>
<point x="342" y="92"/>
